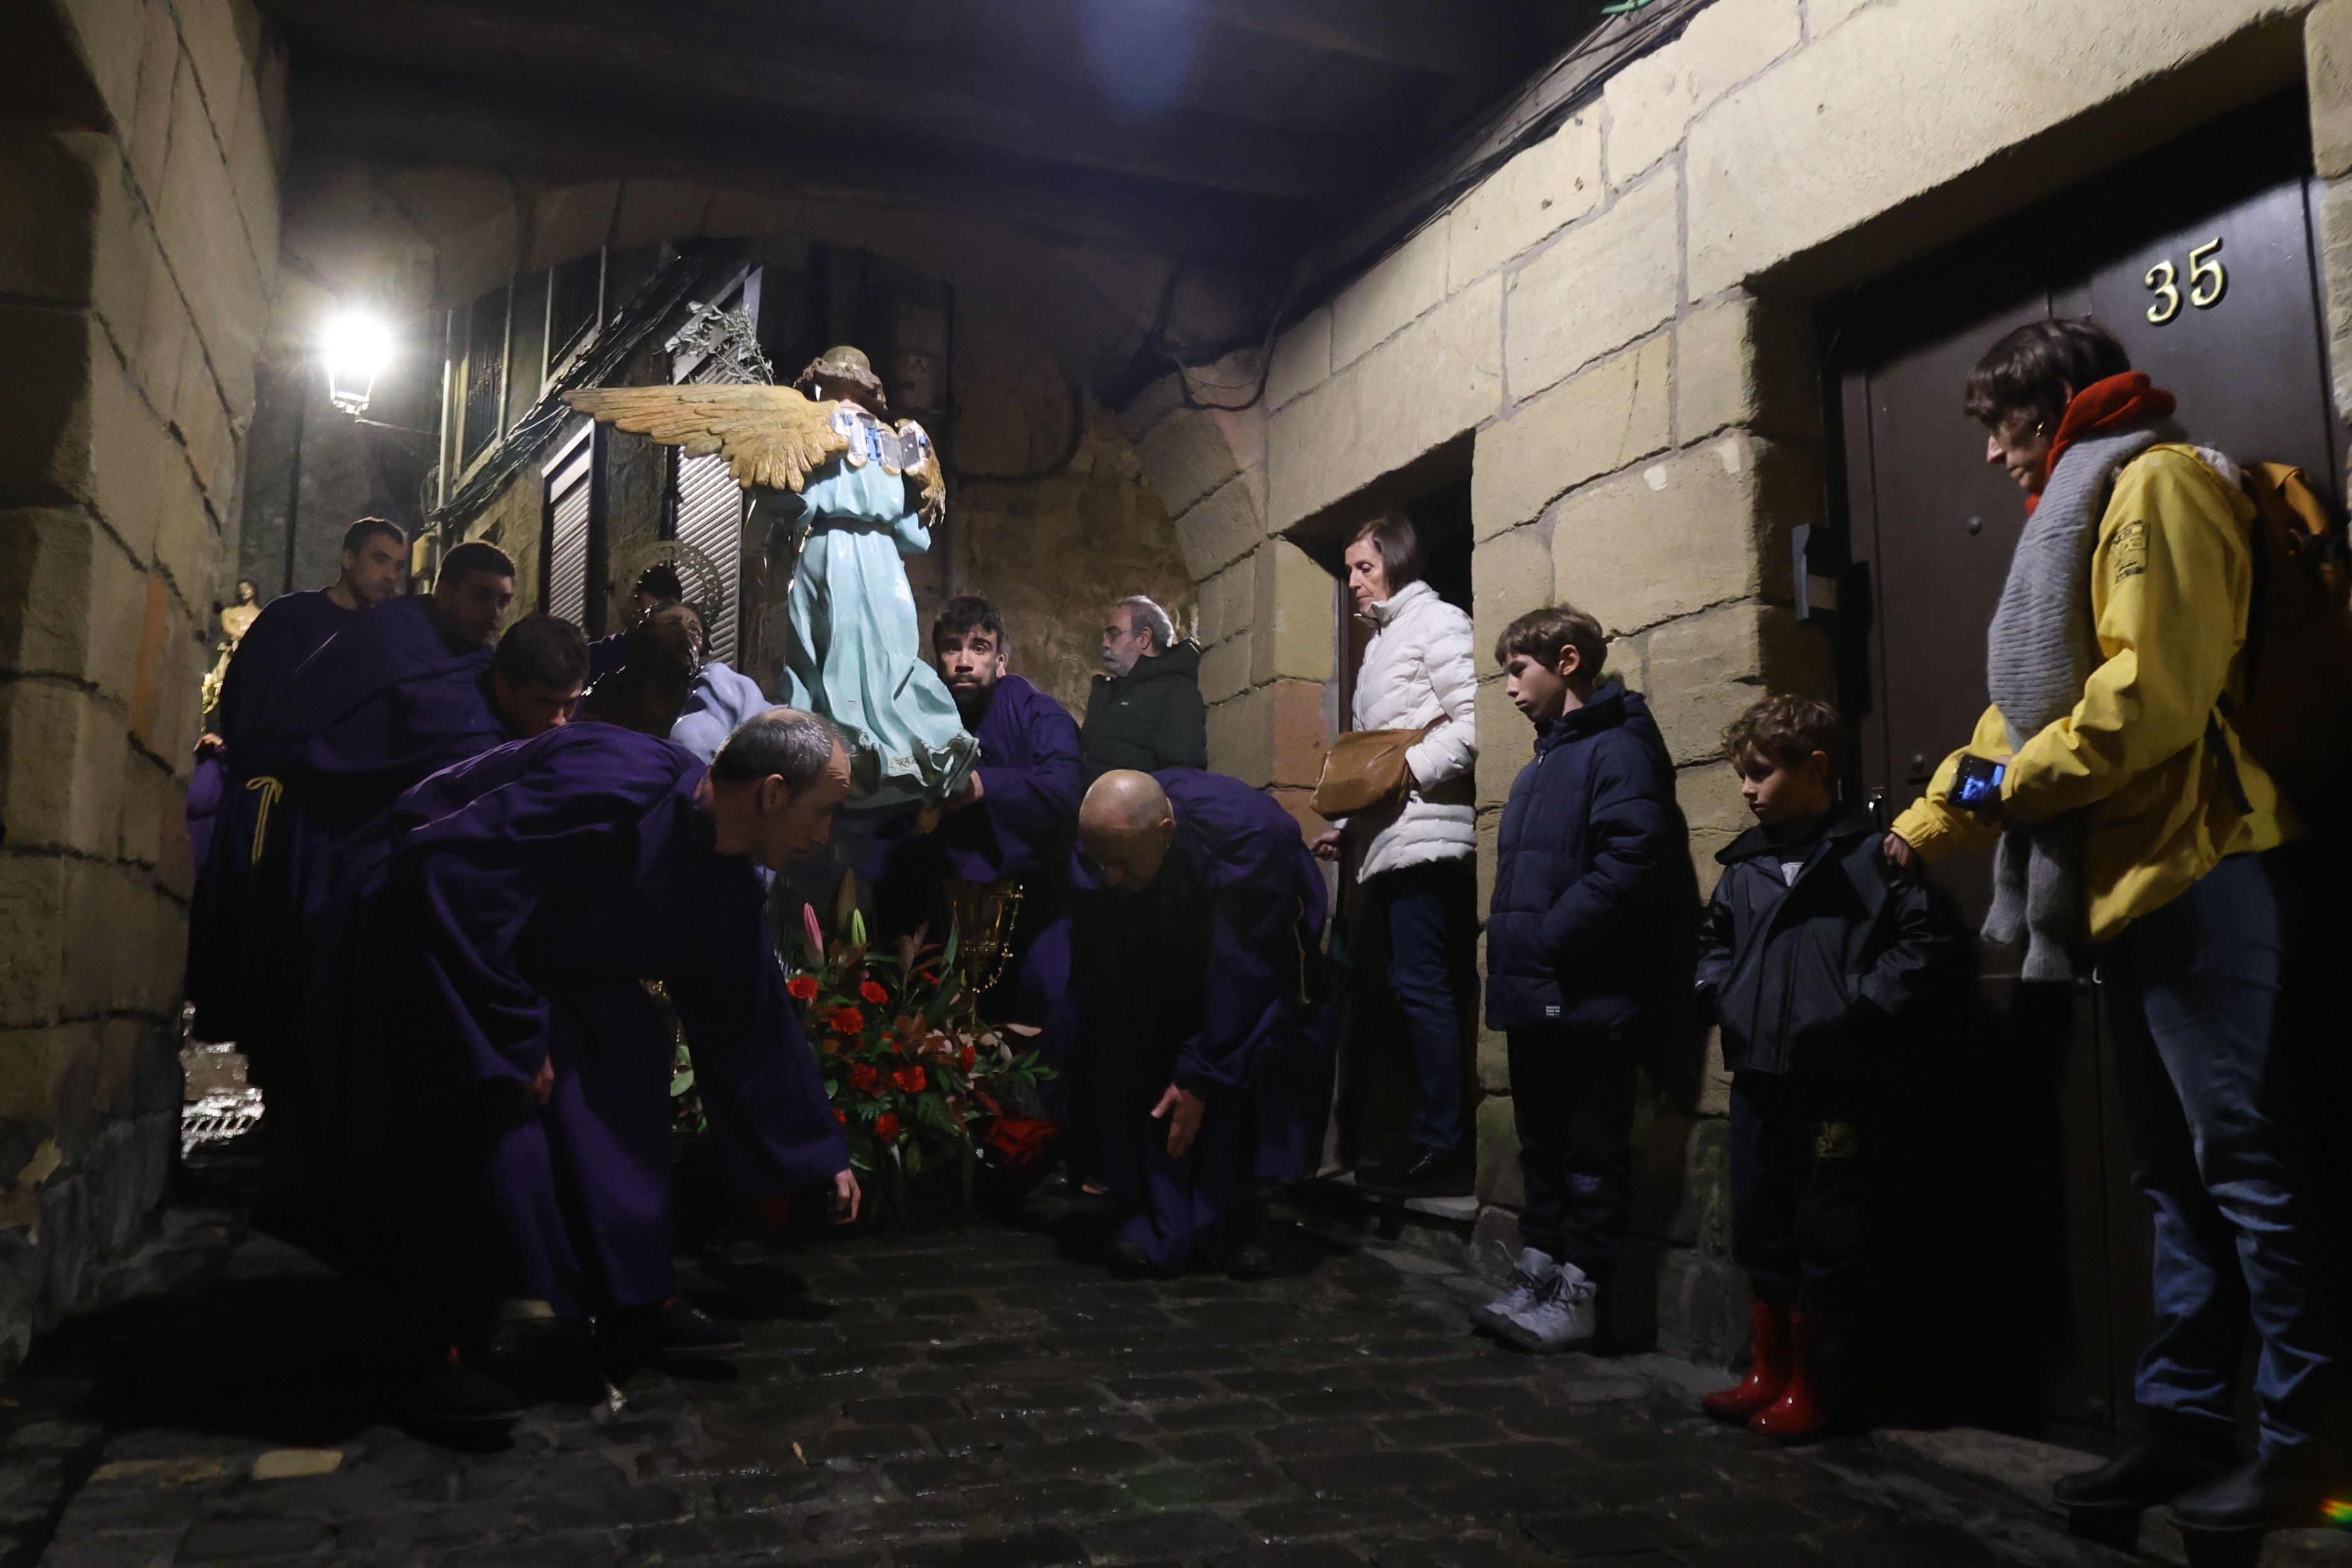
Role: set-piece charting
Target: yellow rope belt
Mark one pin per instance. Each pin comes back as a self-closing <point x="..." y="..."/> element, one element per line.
<point x="271" y="792"/>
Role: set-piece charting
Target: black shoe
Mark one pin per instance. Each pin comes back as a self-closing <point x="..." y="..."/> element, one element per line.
<point x="2172" y="1454"/>
<point x="680" y="1328"/>
<point x="453" y="1392"/>
<point x="1419" y="1172"/>
<point x="1128" y="1256"/>
<point x="2262" y="1493"/>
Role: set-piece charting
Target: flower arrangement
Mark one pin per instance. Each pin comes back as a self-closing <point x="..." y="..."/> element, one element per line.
<point x="917" y="1081"/>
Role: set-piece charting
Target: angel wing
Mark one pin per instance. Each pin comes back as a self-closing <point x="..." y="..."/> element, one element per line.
<point x="770" y="435"/>
<point x="933" y="483"/>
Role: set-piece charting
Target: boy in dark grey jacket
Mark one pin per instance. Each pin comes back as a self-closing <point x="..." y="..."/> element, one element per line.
<point x="1812" y="949"/>
<point x="1588" y="953"/>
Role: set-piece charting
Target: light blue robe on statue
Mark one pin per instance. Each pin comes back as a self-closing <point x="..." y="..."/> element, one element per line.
<point x="722" y="698"/>
<point x="856" y="651"/>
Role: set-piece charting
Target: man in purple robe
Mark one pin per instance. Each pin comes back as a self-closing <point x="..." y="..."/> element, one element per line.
<point x="1013" y="820"/>
<point x="1203" y="1063"/>
<point x="398" y="695"/>
<point x="287" y="632"/>
<point x="509" y="922"/>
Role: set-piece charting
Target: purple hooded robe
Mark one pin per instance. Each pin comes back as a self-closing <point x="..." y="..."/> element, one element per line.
<point x="1022" y="829"/>
<point x="1212" y="977"/>
<point x="290" y="629"/>
<point x="513" y="910"/>
<point x="379" y="707"/>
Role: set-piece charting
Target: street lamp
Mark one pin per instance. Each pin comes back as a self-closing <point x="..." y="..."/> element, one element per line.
<point x="354" y="347"/>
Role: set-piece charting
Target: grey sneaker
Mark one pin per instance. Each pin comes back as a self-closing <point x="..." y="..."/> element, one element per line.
<point x="1563" y="1316"/>
<point x="1533" y="1271"/>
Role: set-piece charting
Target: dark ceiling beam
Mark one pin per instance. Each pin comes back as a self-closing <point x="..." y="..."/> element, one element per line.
<point x="344" y="109"/>
<point x="607" y="51"/>
<point x="1437" y="38"/>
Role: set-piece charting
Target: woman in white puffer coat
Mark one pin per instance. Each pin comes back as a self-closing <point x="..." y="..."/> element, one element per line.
<point x="1419" y="673"/>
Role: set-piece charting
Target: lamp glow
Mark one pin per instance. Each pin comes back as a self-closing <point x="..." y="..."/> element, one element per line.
<point x="355" y="347"/>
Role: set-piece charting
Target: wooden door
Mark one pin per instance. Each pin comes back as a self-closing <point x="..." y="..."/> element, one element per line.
<point x="2030" y="1247"/>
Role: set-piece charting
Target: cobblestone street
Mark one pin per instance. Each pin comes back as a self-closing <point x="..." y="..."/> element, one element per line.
<point x="974" y="1397"/>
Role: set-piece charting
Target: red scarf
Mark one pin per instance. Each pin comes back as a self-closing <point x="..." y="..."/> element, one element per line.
<point x="2104" y="407"/>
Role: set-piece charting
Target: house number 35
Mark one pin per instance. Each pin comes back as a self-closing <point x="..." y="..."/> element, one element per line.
<point x="2208" y="282"/>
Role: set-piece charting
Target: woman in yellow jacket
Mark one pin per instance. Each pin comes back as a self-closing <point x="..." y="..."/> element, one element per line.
<point x="2129" y="816"/>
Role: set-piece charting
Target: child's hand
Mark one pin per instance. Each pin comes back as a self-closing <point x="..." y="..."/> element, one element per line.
<point x="1899" y="853"/>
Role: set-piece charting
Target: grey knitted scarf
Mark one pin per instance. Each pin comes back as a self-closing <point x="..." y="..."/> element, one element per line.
<point x="2040" y="650"/>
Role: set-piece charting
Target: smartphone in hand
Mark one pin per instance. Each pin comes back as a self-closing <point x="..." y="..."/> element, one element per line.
<point x="1977" y="787"/>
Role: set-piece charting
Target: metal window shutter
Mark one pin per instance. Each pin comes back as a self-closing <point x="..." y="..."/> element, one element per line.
<point x="567" y="548"/>
<point x="710" y="519"/>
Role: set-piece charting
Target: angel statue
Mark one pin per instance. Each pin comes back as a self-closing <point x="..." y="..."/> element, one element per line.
<point x="855" y="494"/>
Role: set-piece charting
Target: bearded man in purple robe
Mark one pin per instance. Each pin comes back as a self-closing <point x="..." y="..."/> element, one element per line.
<point x="1202" y="1068"/>
<point x="1009" y="827"/>
<point x="504" y="1090"/>
<point x="287" y="631"/>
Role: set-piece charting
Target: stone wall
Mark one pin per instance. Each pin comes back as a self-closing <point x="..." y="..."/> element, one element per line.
<point x="1618" y="320"/>
<point x="1266" y="621"/>
<point x="1049" y="532"/>
<point x="139" y="159"/>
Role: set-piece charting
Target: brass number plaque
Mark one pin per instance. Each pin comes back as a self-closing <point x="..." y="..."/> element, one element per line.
<point x="2164" y="281"/>
<point x="2208" y="282"/>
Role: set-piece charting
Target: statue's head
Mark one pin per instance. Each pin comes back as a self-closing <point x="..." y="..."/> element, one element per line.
<point x="659" y="662"/>
<point x="844" y="374"/>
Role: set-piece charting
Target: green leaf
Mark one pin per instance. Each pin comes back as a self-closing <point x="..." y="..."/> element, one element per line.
<point x="681" y="1083"/>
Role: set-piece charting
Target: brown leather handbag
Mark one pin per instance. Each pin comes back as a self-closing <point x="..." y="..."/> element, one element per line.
<point x="1365" y="768"/>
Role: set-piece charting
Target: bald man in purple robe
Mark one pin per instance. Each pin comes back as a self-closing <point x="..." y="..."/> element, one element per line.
<point x="287" y="631"/>
<point x="504" y="1088"/>
<point x="1202" y="1068"/>
<point x="1013" y="820"/>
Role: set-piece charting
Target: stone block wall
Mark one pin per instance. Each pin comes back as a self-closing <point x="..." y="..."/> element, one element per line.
<point x="140" y="148"/>
<point x="1266" y="623"/>
<point x="1619" y="321"/>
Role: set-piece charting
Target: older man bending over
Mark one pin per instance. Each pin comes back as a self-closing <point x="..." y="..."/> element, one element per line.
<point x="1203" y="1063"/>
<point x="514" y="917"/>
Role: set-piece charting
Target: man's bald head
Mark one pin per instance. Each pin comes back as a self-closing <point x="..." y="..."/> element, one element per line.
<point x="1127" y="824"/>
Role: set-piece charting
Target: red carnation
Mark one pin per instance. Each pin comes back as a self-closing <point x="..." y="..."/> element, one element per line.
<point x="864" y="1078"/>
<point x="846" y="1020"/>
<point x="911" y="1079"/>
<point x="885" y="1127"/>
<point x="873" y="992"/>
<point x="841" y="1116"/>
<point x="802" y="987"/>
<point x="970" y="1057"/>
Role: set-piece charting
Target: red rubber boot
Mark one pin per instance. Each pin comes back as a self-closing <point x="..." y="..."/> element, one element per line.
<point x="1768" y="1367"/>
<point x="1808" y="1407"/>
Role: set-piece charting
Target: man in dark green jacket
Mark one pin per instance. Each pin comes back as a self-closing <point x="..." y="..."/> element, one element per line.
<point x="1145" y="712"/>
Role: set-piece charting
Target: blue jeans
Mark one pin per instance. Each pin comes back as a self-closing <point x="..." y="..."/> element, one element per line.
<point x="1426" y="905"/>
<point x="2207" y="999"/>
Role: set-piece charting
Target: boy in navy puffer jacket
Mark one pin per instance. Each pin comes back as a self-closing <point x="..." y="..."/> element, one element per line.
<point x="1589" y="954"/>
<point x="1812" y="949"/>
